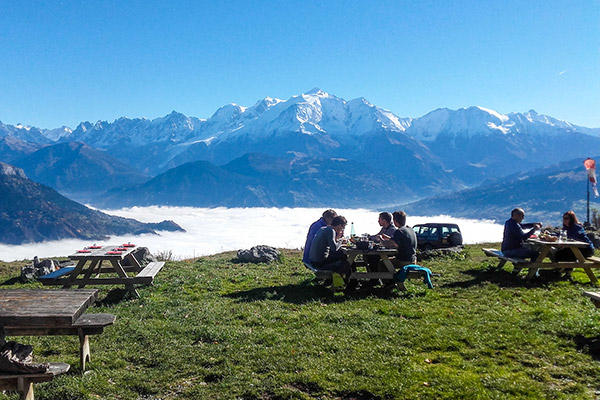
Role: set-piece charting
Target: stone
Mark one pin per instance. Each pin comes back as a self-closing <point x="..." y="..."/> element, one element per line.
<point x="428" y="254"/>
<point x="259" y="254"/>
<point x="142" y="254"/>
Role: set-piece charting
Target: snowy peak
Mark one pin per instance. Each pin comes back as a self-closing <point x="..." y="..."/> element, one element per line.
<point x="473" y="121"/>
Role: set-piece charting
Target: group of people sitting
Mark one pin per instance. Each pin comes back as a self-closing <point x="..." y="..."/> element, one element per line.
<point x="516" y="233"/>
<point x="326" y="236"/>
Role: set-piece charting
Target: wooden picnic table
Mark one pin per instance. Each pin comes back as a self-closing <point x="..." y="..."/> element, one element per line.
<point x="47" y="308"/>
<point x="90" y="264"/>
<point x="357" y="258"/>
<point x="545" y="249"/>
<point x="42" y="312"/>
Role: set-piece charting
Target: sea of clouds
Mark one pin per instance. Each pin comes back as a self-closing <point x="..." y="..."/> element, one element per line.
<point x="214" y="230"/>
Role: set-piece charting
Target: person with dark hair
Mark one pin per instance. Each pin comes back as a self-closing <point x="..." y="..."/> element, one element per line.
<point x="575" y="231"/>
<point x="325" y="220"/>
<point x="514" y="237"/>
<point x="325" y="253"/>
<point x="383" y="236"/>
<point x="406" y="241"/>
<point x="387" y="228"/>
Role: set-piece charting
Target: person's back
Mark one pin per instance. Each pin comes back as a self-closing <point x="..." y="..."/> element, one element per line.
<point x="325" y="220"/>
<point x="321" y="244"/>
<point x="406" y="239"/>
<point x="514" y="237"/>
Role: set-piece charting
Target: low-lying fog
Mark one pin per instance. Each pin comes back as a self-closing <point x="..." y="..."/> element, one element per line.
<point x="214" y="230"/>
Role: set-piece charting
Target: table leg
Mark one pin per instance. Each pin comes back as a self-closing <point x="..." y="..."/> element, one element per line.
<point x="89" y="272"/>
<point x="74" y="274"/>
<point x="581" y="260"/>
<point x="119" y="269"/>
<point x="532" y="268"/>
<point x="134" y="262"/>
<point x="388" y="263"/>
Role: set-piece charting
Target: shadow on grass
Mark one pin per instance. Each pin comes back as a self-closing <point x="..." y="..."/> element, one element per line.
<point x="587" y="345"/>
<point x="113" y="297"/>
<point x="504" y="278"/>
<point x="11" y="281"/>
<point x="309" y="291"/>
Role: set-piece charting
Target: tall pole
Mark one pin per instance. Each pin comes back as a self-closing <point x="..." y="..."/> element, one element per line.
<point x="588" y="201"/>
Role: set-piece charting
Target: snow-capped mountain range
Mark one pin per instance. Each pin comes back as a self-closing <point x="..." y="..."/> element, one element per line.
<point x="443" y="150"/>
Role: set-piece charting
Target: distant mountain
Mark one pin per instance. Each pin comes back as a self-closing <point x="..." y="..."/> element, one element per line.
<point x="13" y="148"/>
<point x="267" y="181"/>
<point x="25" y="133"/>
<point x="77" y="170"/>
<point x="31" y="212"/>
<point x="441" y="152"/>
<point x="545" y="194"/>
<point x="476" y="143"/>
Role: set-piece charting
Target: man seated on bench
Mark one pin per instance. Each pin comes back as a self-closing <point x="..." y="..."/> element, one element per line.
<point x="325" y="220"/>
<point x="515" y="236"/>
<point x="325" y="253"/>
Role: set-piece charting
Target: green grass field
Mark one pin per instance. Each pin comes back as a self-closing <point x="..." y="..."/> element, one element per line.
<point x="217" y="329"/>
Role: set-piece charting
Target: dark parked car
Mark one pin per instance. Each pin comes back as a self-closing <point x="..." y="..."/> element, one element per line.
<point x="435" y="236"/>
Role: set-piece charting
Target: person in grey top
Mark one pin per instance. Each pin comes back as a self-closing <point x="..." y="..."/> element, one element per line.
<point x="325" y="250"/>
<point x="387" y="228"/>
<point x="406" y="241"/>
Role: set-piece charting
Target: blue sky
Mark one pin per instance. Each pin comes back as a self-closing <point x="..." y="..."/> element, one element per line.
<point x="64" y="62"/>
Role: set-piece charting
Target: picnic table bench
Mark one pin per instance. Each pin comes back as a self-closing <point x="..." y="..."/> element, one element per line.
<point x="594" y="297"/>
<point x="90" y="265"/>
<point x="356" y="259"/>
<point x="504" y="259"/>
<point x="87" y="324"/>
<point x="23" y="383"/>
<point x="545" y="252"/>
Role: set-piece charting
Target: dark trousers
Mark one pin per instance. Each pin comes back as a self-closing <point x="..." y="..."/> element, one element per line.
<point x="567" y="254"/>
<point x="522" y="252"/>
<point x="336" y="262"/>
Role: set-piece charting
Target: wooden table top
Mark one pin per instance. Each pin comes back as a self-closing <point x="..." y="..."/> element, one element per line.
<point x="40" y="307"/>
<point x="562" y="244"/>
<point x="102" y="253"/>
<point x="369" y="252"/>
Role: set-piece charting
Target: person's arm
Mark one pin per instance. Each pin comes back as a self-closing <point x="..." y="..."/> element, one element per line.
<point x="525" y="235"/>
<point x="333" y="242"/>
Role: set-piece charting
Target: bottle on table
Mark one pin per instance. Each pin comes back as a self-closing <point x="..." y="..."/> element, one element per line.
<point x="352" y="231"/>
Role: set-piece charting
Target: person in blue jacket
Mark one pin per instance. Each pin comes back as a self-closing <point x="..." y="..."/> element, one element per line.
<point x="325" y="220"/>
<point x="515" y="236"/>
<point x="575" y="231"/>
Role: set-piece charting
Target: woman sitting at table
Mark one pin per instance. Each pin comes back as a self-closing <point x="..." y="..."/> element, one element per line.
<point x="575" y="231"/>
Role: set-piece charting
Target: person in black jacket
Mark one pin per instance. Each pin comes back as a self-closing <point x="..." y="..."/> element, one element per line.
<point x="575" y="231"/>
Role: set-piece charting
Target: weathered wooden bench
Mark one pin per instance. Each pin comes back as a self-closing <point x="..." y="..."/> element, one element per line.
<point x="87" y="324"/>
<point x="23" y="383"/>
<point x="319" y="273"/>
<point x="323" y="275"/>
<point x="594" y="296"/>
<point x="517" y="262"/>
<point x="146" y="275"/>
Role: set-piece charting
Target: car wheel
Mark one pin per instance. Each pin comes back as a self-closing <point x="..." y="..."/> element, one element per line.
<point x="455" y="239"/>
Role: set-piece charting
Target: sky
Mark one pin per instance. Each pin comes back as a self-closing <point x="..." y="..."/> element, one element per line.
<point x="64" y="62"/>
<point x="210" y="231"/>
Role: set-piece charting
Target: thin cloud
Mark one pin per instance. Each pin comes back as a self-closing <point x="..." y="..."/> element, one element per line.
<point x="562" y="72"/>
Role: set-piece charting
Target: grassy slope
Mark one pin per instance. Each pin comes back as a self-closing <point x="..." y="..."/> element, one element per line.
<point x="220" y="330"/>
